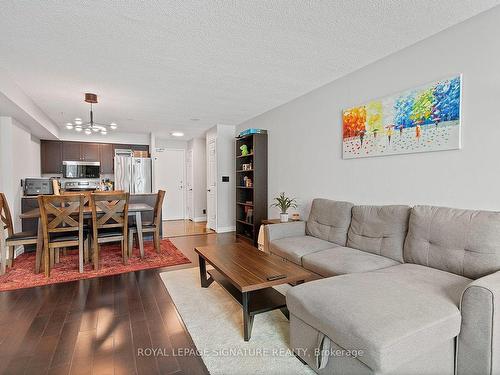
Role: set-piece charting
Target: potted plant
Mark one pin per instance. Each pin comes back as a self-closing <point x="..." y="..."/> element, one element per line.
<point x="284" y="203"/>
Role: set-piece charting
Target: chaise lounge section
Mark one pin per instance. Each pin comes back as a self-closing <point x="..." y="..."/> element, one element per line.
<point x="410" y="291"/>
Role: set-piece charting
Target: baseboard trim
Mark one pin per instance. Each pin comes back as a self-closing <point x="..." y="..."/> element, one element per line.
<point x="226" y="229"/>
<point x="200" y="218"/>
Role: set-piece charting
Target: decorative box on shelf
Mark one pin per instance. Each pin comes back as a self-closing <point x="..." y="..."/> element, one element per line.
<point x="252" y="131"/>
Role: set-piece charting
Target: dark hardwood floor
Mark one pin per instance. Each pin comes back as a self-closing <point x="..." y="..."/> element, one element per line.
<point x="99" y="326"/>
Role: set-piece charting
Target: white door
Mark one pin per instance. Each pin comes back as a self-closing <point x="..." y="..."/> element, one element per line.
<point x="211" y="185"/>
<point x="169" y="176"/>
<point x="189" y="185"/>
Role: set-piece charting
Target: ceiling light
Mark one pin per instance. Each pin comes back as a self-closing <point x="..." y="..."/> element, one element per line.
<point x="177" y="134"/>
<point x="91" y="126"/>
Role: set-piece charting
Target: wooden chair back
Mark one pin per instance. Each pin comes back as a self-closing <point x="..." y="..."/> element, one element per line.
<point x="55" y="187"/>
<point x="5" y="217"/>
<point x="86" y="196"/>
<point x="109" y="210"/>
<point x="61" y="214"/>
<point x="158" y="205"/>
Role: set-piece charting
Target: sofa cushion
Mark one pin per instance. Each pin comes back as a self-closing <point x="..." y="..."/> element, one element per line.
<point x="379" y="230"/>
<point x="393" y="314"/>
<point x="329" y="220"/>
<point x="463" y="242"/>
<point x="294" y="248"/>
<point x="341" y="260"/>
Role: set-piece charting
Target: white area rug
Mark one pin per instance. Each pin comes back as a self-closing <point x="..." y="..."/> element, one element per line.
<point x="215" y="321"/>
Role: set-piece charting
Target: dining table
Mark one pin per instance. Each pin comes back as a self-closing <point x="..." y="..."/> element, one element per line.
<point x="134" y="209"/>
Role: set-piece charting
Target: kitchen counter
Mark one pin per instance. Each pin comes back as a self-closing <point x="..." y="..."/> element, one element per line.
<point x="29" y="203"/>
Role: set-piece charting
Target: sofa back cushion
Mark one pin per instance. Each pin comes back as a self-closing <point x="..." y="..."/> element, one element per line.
<point x="329" y="220"/>
<point x="463" y="242"/>
<point x="379" y="230"/>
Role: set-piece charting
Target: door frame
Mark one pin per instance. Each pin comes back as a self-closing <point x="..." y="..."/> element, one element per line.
<point x="183" y="175"/>
<point x="186" y="213"/>
<point x="210" y="140"/>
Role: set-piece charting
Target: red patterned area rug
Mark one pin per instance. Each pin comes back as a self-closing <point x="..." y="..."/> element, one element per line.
<point x="22" y="275"/>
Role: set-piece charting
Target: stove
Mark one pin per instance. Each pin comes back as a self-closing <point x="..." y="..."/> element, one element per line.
<point x="80" y="185"/>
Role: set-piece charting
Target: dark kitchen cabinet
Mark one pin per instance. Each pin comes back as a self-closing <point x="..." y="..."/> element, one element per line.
<point x="71" y="151"/>
<point x="51" y="156"/>
<point x="80" y="151"/>
<point x="106" y="154"/>
<point x="89" y="151"/>
<point x="123" y="147"/>
<point x="140" y="148"/>
<point x="53" y="153"/>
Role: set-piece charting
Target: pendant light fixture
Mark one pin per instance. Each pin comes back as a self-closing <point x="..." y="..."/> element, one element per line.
<point x="91" y="126"/>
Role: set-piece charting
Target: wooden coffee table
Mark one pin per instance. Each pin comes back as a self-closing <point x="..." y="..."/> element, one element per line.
<point x="243" y="271"/>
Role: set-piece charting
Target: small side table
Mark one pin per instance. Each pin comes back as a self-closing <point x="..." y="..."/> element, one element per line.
<point x="261" y="241"/>
<point x="276" y="221"/>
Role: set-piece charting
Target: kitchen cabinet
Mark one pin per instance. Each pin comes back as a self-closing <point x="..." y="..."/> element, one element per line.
<point x="117" y="146"/>
<point x="51" y="156"/>
<point x="89" y="151"/>
<point x="71" y="151"/>
<point x="80" y="151"/>
<point x="106" y="155"/>
<point x="53" y="153"/>
<point x="140" y="147"/>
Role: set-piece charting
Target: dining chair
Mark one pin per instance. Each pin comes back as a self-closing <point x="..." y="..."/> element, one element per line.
<point x="62" y="226"/>
<point x="55" y="187"/>
<point x="86" y="225"/>
<point x="149" y="227"/>
<point x="109" y="222"/>
<point x="13" y="239"/>
<point x="86" y="196"/>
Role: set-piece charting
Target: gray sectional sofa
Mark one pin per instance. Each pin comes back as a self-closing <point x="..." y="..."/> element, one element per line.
<point x="405" y="290"/>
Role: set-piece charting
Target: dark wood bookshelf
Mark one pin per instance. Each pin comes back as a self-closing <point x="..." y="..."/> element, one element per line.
<point x="244" y="222"/>
<point x="247" y="155"/>
<point x="245" y="204"/>
<point x="257" y="193"/>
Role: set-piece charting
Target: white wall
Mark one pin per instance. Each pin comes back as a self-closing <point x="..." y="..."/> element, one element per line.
<point x="226" y="191"/>
<point x="198" y="147"/>
<point x="26" y="166"/>
<point x="20" y="156"/>
<point x="171" y="143"/>
<point x="6" y="156"/>
<point x="305" y="134"/>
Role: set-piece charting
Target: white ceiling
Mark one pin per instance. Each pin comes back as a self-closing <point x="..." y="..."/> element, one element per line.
<point x="157" y="64"/>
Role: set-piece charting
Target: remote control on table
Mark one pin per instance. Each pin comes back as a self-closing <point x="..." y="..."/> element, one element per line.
<point x="275" y="277"/>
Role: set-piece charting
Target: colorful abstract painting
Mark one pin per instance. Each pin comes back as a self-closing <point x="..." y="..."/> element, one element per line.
<point x="423" y="119"/>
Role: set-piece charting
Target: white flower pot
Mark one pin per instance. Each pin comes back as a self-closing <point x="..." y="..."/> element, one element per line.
<point x="284" y="217"/>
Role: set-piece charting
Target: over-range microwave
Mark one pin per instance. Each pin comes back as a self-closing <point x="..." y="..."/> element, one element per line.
<point x="81" y="169"/>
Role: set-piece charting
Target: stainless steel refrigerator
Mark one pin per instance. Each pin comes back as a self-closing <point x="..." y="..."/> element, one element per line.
<point x="132" y="174"/>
